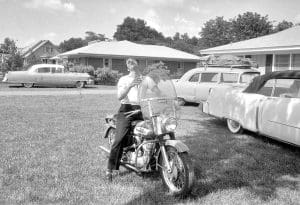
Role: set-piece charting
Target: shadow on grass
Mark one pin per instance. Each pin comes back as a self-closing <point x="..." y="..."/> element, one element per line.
<point x="224" y="161"/>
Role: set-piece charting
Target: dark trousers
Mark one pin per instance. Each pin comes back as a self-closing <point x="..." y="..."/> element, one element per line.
<point x="122" y="138"/>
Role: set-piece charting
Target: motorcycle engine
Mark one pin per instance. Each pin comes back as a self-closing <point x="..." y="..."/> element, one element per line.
<point x="141" y="157"/>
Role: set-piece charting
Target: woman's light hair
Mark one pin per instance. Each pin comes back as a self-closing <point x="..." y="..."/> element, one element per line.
<point x="130" y="61"/>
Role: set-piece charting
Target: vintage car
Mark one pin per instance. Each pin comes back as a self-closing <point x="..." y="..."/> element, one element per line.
<point x="270" y="106"/>
<point x="195" y="84"/>
<point x="48" y="75"/>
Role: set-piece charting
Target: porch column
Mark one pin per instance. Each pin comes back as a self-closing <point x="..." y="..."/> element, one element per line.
<point x="273" y="62"/>
<point x="291" y="58"/>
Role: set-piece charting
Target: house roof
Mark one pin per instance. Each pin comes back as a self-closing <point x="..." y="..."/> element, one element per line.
<point x="286" y="40"/>
<point x="129" y="49"/>
<point x="26" y="51"/>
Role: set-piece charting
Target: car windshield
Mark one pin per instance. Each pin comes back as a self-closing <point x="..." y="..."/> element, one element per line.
<point x="248" y="77"/>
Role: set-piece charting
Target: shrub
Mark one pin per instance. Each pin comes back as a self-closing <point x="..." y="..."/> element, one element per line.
<point x="83" y="69"/>
<point x="107" y="76"/>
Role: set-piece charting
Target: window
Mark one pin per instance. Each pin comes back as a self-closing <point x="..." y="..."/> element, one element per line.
<point x="194" y="78"/>
<point x="282" y="62"/>
<point x="248" y="77"/>
<point x="57" y="70"/>
<point x="209" y="77"/>
<point x="44" y="70"/>
<point x="296" y="62"/>
<point x="229" y="77"/>
<point x="267" y="88"/>
<point x="287" y="88"/>
<point x="106" y="62"/>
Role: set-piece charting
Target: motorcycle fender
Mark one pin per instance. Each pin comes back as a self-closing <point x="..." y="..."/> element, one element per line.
<point x="179" y="145"/>
<point x="107" y="130"/>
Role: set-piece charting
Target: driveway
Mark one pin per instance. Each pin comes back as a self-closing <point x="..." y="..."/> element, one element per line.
<point x="58" y="92"/>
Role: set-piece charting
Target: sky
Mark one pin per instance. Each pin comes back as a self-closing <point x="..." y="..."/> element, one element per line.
<point x="28" y="21"/>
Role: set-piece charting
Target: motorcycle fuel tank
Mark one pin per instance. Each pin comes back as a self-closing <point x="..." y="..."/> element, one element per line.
<point x="144" y="128"/>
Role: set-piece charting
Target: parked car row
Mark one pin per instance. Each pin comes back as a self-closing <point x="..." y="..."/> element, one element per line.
<point x="270" y="106"/>
<point x="48" y="75"/>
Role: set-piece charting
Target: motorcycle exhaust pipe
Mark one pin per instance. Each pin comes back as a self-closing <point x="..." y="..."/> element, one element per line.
<point x="128" y="166"/>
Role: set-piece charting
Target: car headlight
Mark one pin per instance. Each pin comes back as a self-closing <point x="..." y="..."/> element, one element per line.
<point x="170" y="124"/>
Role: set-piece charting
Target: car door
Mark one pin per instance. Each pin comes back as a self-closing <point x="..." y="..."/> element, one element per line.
<point x="186" y="89"/>
<point x="58" y="76"/>
<point x="44" y="75"/>
<point x="207" y="81"/>
<point x="280" y="113"/>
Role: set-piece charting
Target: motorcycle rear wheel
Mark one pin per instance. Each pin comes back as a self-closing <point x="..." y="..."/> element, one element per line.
<point x="111" y="136"/>
<point x="181" y="179"/>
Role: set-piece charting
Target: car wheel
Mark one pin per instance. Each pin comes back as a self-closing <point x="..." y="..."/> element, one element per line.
<point x="181" y="101"/>
<point x="80" y="84"/>
<point x="28" y="85"/>
<point x="234" y="126"/>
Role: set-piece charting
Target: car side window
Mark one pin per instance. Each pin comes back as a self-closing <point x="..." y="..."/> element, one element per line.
<point x="288" y="88"/>
<point x="44" y="70"/>
<point x="209" y="78"/>
<point x="57" y="70"/>
<point x="267" y="89"/>
<point x="229" y="77"/>
<point x="194" y="78"/>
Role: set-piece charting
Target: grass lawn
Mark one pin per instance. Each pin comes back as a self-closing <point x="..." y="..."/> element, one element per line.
<point x="49" y="154"/>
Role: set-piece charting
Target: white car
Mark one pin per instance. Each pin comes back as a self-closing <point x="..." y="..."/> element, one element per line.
<point x="270" y="106"/>
<point x="48" y="75"/>
<point x="195" y="84"/>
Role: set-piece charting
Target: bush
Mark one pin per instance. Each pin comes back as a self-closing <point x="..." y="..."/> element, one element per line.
<point x="83" y="69"/>
<point x="107" y="76"/>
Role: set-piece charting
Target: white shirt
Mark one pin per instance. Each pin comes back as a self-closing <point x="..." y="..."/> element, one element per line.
<point x="132" y="96"/>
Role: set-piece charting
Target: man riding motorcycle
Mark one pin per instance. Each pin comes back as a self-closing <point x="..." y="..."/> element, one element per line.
<point x="128" y="96"/>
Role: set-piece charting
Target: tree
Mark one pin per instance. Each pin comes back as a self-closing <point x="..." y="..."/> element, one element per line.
<point x="282" y="26"/>
<point x="216" y="32"/>
<point x="136" y="30"/>
<point x="13" y="60"/>
<point x="250" y="25"/>
<point x="92" y="36"/>
<point x="71" y="44"/>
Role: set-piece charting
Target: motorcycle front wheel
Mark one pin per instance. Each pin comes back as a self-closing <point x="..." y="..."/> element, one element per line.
<point x="181" y="177"/>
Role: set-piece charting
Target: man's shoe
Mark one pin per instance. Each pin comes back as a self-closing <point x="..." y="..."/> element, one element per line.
<point x="108" y="176"/>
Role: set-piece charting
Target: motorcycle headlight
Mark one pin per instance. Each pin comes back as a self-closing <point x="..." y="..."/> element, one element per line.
<point x="170" y="124"/>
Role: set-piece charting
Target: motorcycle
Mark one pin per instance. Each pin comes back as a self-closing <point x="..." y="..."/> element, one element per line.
<point x="153" y="145"/>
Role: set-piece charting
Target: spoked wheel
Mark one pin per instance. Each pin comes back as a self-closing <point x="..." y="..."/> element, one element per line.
<point x="181" y="177"/>
<point x="234" y="126"/>
<point x="28" y="85"/>
<point x="80" y="84"/>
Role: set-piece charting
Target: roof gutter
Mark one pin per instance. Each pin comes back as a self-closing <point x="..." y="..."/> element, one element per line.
<point x="126" y="56"/>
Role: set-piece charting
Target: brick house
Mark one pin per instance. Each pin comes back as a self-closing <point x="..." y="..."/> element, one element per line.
<point x="113" y="54"/>
<point x="274" y="52"/>
<point x="41" y="51"/>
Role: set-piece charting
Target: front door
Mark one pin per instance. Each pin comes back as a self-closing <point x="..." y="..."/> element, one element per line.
<point x="280" y="112"/>
<point x="208" y="80"/>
